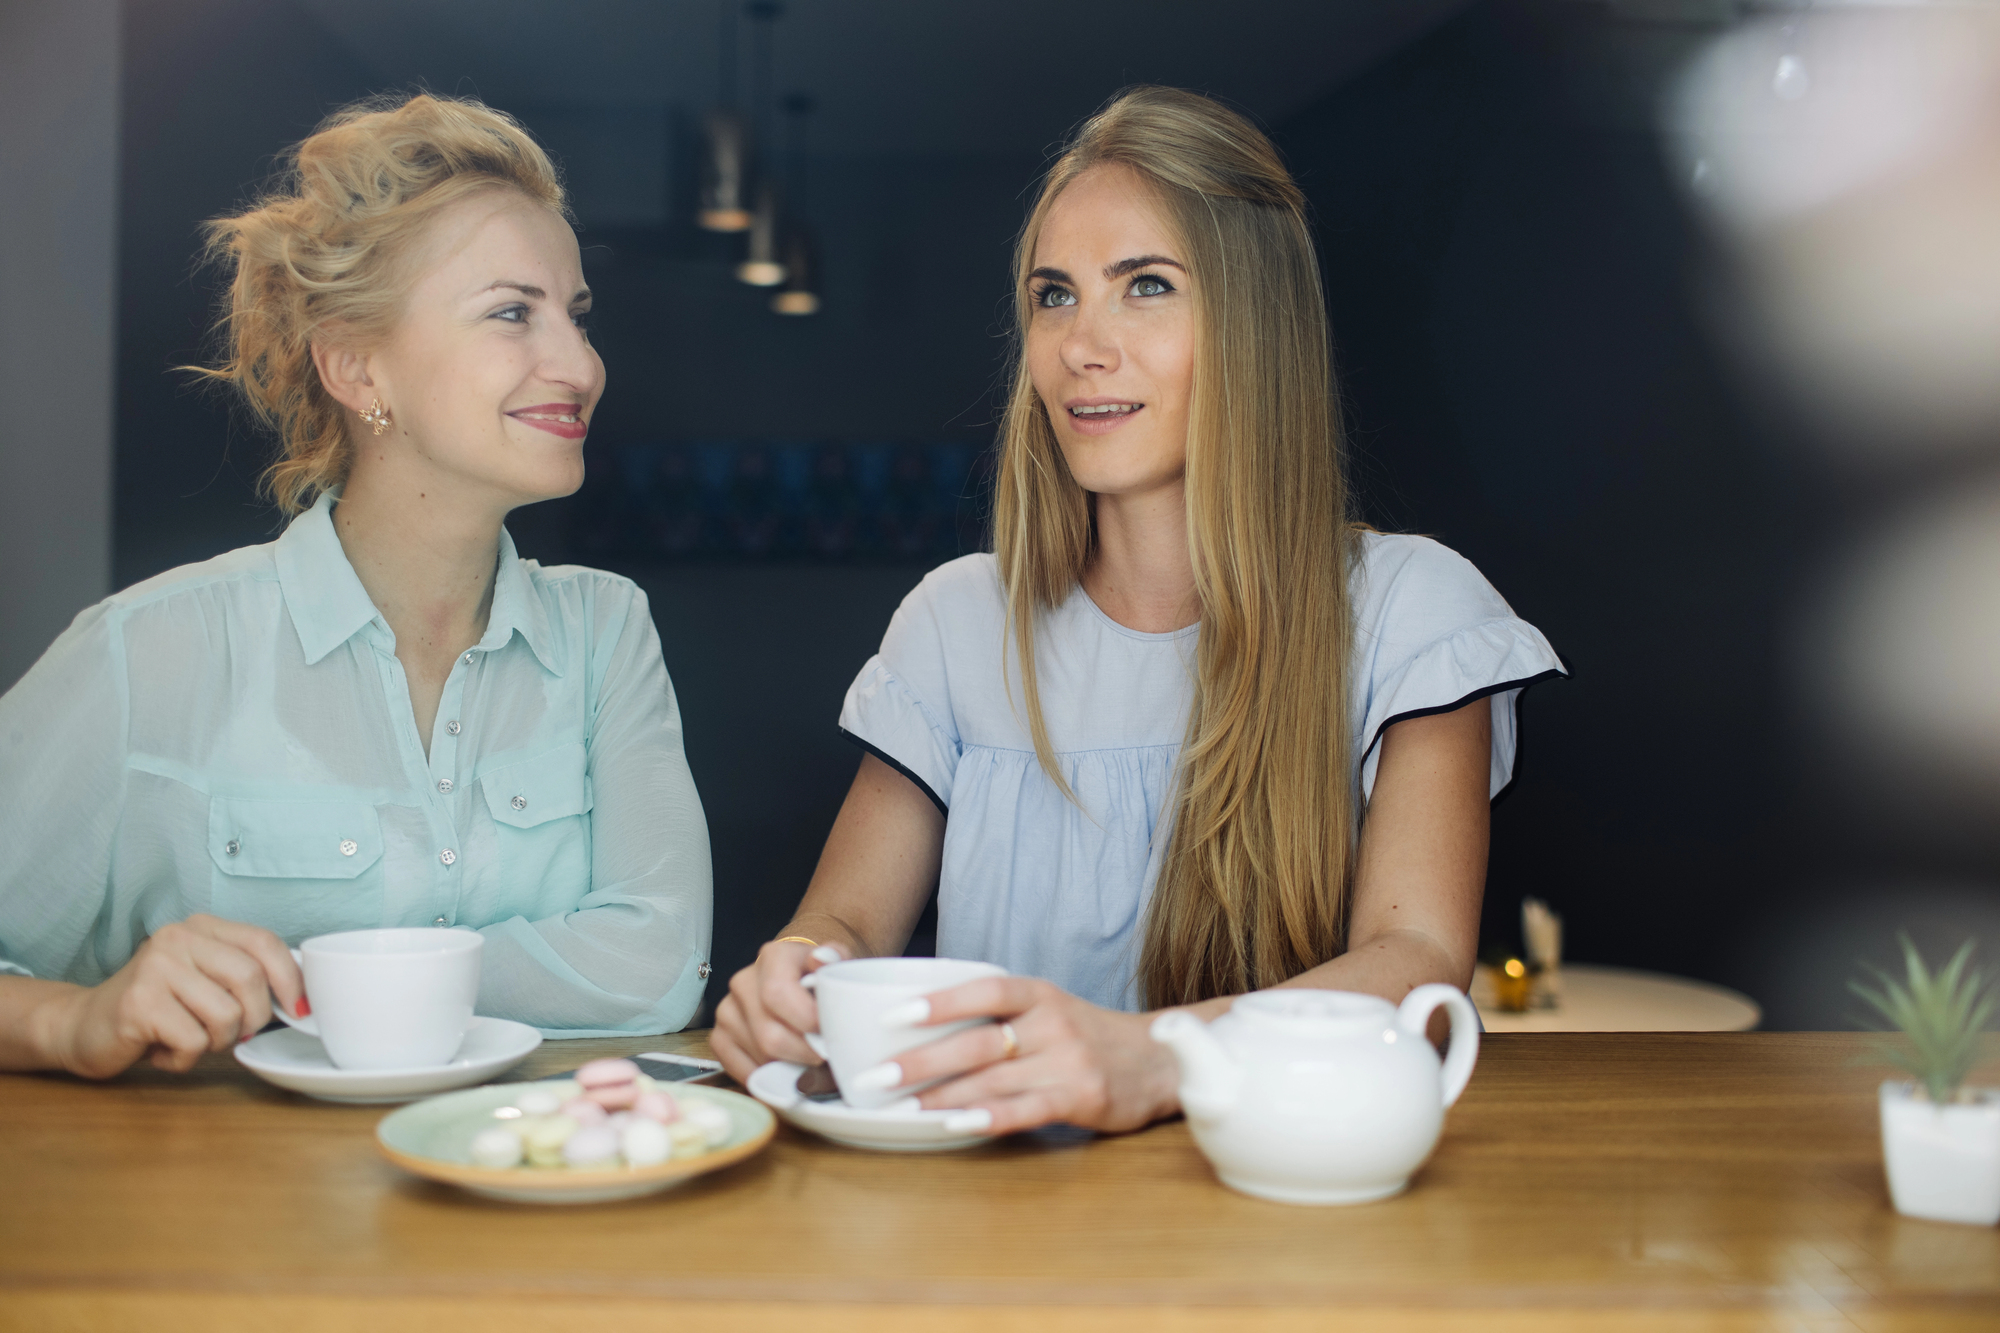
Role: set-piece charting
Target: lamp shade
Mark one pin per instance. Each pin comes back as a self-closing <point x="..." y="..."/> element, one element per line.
<point x="801" y="291"/>
<point x="762" y="266"/>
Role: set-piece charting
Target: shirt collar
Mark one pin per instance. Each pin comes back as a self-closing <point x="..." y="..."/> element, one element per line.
<point x="329" y="606"/>
<point x="517" y="606"/>
<point x="324" y="594"/>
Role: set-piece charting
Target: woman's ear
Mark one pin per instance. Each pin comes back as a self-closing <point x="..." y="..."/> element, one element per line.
<point x="343" y="372"/>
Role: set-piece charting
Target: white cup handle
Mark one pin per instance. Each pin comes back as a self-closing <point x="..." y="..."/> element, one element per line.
<point x="1414" y="1017"/>
<point x="308" y="1024"/>
<point x="813" y="1039"/>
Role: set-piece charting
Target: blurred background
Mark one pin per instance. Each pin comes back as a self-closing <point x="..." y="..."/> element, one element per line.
<point x="1678" y="317"/>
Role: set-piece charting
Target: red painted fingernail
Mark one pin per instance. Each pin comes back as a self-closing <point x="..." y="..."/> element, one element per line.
<point x="304" y="1007"/>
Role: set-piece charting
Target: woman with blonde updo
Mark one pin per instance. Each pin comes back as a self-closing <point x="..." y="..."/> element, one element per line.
<point x="386" y="717"/>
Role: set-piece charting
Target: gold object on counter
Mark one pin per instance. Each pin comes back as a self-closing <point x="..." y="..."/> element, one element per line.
<point x="1513" y="986"/>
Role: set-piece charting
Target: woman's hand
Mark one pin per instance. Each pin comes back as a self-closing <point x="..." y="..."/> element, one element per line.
<point x="195" y="986"/>
<point x="766" y="1011"/>
<point x="1073" y="1062"/>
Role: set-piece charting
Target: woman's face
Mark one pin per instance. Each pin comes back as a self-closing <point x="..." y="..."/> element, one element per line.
<point x="490" y="374"/>
<point x="1111" y="334"/>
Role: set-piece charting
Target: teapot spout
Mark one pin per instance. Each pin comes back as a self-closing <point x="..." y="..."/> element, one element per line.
<point x="1210" y="1078"/>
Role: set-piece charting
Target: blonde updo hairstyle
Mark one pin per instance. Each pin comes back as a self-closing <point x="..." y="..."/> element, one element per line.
<point x="330" y="247"/>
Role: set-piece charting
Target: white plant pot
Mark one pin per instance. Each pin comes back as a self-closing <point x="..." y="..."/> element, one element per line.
<point x="1943" y="1161"/>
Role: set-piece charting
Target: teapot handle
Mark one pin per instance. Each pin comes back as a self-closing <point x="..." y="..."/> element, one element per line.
<point x="1414" y="1016"/>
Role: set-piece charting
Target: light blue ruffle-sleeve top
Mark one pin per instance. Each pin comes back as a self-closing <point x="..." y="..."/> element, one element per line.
<point x="236" y="737"/>
<point x="1051" y="889"/>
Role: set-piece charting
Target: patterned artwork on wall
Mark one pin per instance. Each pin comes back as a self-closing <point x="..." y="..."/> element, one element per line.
<point x="753" y="501"/>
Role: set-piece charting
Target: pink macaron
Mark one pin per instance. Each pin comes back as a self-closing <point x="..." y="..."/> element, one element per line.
<point x="606" y="1073"/>
<point x="657" y="1106"/>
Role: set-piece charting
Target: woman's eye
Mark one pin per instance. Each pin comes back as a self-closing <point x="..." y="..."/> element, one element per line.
<point x="1051" y="296"/>
<point x="581" y="319"/>
<point x="1148" y="285"/>
<point x="516" y="314"/>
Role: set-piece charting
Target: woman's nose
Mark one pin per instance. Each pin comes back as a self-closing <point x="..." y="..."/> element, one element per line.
<point x="1090" y="345"/>
<point x="573" y="362"/>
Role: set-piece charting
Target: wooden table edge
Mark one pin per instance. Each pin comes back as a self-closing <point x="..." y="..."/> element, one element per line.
<point x="58" y="1309"/>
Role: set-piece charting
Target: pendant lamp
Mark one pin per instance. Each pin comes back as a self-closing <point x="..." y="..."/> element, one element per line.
<point x="762" y="266"/>
<point x="799" y="296"/>
<point x="725" y="174"/>
<point x="801" y="292"/>
<point x="725" y="165"/>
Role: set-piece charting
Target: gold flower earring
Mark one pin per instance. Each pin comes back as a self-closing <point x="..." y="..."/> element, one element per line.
<point x="377" y="415"/>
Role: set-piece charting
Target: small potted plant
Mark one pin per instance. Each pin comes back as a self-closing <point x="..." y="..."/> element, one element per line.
<point x="1940" y="1138"/>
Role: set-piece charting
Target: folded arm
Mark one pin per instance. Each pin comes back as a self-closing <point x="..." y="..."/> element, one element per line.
<point x="629" y="957"/>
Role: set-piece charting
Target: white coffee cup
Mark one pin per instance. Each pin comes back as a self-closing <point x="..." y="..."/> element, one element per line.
<point x="390" y="999"/>
<point x="853" y="996"/>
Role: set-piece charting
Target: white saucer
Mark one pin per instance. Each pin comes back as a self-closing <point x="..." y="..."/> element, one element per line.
<point x="902" y="1127"/>
<point x="291" y="1059"/>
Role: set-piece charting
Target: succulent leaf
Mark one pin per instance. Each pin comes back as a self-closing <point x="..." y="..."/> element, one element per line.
<point x="1941" y="1015"/>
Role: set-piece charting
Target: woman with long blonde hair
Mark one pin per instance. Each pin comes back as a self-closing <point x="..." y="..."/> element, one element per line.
<point x="386" y="717"/>
<point x="1189" y="730"/>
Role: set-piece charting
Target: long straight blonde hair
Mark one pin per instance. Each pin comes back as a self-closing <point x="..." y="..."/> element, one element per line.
<point x="1253" y="888"/>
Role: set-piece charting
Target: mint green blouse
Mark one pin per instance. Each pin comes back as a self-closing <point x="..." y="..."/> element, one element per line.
<point x="236" y="737"/>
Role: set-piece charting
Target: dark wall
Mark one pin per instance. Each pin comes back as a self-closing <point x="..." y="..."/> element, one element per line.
<point x="1533" y="375"/>
<point x="213" y="91"/>
<point x="1526" y="383"/>
<point x="905" y="348"/>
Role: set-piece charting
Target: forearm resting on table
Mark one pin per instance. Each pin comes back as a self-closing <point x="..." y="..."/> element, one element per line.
<point x="33" y="1014"/>
<point x="1391" y="965"/>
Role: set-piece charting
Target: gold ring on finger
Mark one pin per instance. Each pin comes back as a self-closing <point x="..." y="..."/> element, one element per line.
<point x="1013" y="1043"/>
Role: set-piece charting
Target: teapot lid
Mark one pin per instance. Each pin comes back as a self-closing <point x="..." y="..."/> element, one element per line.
<point x="1317" y="1012"/>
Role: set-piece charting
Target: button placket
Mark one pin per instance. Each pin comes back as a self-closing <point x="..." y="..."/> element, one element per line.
<point x="444" y="770"/>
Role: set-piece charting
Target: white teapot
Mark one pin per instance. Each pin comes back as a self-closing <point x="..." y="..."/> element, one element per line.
<point x="1318" y="1096"/>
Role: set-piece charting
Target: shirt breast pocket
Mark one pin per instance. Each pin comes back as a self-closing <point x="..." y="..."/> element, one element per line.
<point x="297" y="868"/>
<point x="541" y="812"/>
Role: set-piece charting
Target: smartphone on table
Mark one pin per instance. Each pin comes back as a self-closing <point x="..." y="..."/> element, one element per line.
<point x="664" y="1068"/>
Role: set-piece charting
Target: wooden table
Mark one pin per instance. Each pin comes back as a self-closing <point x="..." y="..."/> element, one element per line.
<point x="1623" y="999"/>
<point x="1632" y="1182"/>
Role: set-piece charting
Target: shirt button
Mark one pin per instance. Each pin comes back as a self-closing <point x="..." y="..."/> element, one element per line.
<point x="452" y="726"/>
<point x="448" y="856"/>
<point x="439" y="922"/>
<point x="444" y="784"/>
<point x="467" y="659"/>
<point x="231" y="847"/>
<point x="519" y="803"/>
<point x="703" y="971"/>
<point x="349" y="846"/>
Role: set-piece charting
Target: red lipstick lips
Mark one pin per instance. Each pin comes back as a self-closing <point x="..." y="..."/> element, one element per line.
<point x="560" y="419"/>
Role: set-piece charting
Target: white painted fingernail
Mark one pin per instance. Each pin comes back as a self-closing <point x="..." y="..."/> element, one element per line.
<point x="879" y="1079"/>
<point x="907" y="1014"/>
<point x="974" y="1121"/>
<point x="826" y="953"/>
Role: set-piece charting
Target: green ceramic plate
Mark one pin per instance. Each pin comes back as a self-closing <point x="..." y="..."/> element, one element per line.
<point x="433" y="1138"/>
